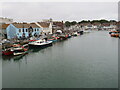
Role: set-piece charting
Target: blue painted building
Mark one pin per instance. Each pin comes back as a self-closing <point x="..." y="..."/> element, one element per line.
<point x="19" y="30"/>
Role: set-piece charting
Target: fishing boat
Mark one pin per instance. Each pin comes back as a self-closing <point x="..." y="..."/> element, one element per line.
<point x="19" y="49"/>
<point x="19" y="52"/>
<point x="114" y="34"/>
<point x="80" y="32"/>
<point x="32" y="40"/>
<point x="25" y="47"/>
<point x="53" y="39"/>
<point x="7" y="51"/>
<point x="62" y="37"/>
<point x="40" y="43"/>
<point x="76" y="34"/>
<point x="87" y="31"/>
<point x="69" y="36"/>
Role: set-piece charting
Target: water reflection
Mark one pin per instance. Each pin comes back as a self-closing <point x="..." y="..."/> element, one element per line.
<point x="30" y="51"/>
<point x="15" y="58"/>
<point x="88" y="61"/>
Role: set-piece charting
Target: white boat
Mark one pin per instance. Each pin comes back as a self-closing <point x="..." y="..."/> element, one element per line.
<point x="19" y="52"/>
<point x="86" y="31"/>
<point x="76" y="34"/>
<point x="40" y="43"/>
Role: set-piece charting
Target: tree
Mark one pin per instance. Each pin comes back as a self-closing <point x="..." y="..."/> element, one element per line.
<point x="67" y="24"/>
<point x="84" y="21"/>
<point x="73" y="22"/>
<point x="113" y="21"/>
<point x="103" y="21"/>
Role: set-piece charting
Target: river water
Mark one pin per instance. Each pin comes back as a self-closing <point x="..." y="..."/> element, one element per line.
<point x="87" y="61"/>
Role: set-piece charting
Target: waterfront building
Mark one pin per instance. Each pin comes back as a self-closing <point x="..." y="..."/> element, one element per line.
<point x="46" y="27"/>
<point x="96" y="25"/>
<point x="3" y="30"/>
<point x="118" y="25"/>
<point x="109" y="26"/>
<point x="57" y="25"/>
<point x="3" y="24"/>
<point x="22" y="30"/>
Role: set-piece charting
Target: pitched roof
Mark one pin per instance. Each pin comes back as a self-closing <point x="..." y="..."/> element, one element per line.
<point x="21" y="25"/>
<point x="57" y="23"/>
<point x="34" y="25"/>
<point x="44" y="24"/>
<point x="106" y="24"/>
<point x="4" y="26"/>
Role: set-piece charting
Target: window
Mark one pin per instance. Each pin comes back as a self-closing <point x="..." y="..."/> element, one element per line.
<point x="23" y="29"/>
<point x="37" y="29"/>
<point x="26" y="30"/>
<point x="19" y="30"/>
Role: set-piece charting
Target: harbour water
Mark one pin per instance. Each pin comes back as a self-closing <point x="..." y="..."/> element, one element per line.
<point x="87" y="61"/>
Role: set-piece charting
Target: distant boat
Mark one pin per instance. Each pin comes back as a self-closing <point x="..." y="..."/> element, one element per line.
<point x="80" y="32"/>
<point x="76" y="34"/>
<point x="40" y="43"/>
<point x="69" y="36"/>
<point x="113" y="34"/>
<point x="53" y="40"/>
<point x="86" y="31"/>
<point x="62" y="37"/>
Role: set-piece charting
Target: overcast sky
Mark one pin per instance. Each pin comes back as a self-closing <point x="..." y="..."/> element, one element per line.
<point x="36" y="11"/>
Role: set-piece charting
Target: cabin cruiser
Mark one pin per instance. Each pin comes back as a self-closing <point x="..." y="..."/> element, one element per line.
<point x="40" y="43"/>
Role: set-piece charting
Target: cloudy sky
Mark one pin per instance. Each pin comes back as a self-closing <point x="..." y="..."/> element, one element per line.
<point x="36" y="11"/>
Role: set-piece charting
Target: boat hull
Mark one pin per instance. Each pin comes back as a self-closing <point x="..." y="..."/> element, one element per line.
<point x="7" y="53"/>
<point x="40" y="46"/>
<point x="19" y="53"/>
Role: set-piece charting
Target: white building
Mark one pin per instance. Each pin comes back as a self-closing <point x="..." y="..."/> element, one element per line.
<point x="46" y="27"/>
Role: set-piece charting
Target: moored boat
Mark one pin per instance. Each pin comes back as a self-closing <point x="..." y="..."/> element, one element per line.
<point x="114" y="33"/>
<point x="53" y="39"/>
<point x="69" y="36"/>
<point x="63" y="37"/>
<point x="86" y="31"/>
<point x="7" y="51"/>
<point x="19" y="52"/>
<point x="25" y="47"/>
<point x="19" y="49"/>
<point x="40" y="43"/>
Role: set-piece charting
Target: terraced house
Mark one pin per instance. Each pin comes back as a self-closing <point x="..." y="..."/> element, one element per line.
<point x="20" y="30"/>
<point x="46" y="27"/>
